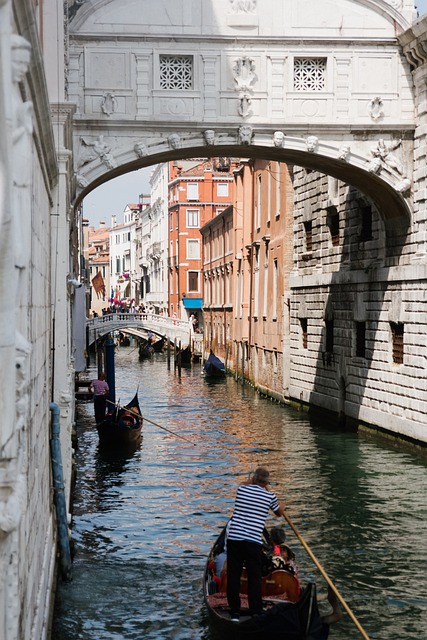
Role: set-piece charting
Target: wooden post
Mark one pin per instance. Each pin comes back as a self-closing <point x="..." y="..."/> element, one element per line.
<point x="243" y="363"/>
<point x="179" y="360"/>
<point x="168" y="350"/>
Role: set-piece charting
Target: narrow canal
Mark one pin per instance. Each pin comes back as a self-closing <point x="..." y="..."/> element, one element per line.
<point x="143" y="523"/>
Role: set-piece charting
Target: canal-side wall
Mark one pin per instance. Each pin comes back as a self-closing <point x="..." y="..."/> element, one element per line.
<point x="35" y="351"/>
<point x="358" y="312"/>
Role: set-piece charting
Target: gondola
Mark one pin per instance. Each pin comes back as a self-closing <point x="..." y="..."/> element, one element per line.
<point x="122" y="425"/>
<point x="289" y="614"/>
<point x="213" y="367"/>
<point x="145" y="350"/>
<point x="159" y="345"/>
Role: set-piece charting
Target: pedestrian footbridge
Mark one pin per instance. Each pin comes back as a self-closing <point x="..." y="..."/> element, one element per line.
<point x="176" y="330"/>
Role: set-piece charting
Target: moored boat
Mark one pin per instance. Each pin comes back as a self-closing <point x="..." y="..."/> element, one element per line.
<point x="288" y="613"/>
<point x="214" y="367"/>
<point x="145" y="350"/>
<point x="122" y="425"/>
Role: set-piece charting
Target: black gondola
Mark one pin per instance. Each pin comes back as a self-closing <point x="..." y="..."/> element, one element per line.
<point x="288" y="613"/>
<point x="214" y="367"/>
<point x="122" y="425"/>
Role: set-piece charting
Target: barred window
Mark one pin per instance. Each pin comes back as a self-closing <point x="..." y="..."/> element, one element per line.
<point x="309" y="74"/>
<point x="176" y="72"/>
<point x="397" y="334"/>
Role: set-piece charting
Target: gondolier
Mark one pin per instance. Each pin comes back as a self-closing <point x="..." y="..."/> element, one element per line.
<point x="100" y="390"/>
<point x="244" y="542"/>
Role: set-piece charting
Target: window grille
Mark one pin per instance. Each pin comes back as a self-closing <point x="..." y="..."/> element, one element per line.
<point x="397" y="332"/>
<point x="308" y="228"/>
<point x="309" y="74"/>
<point x="366" y="223"/>
<point x="333" y="222"/>
<point x="360" y="339"/>
<point x="176" y="72"/>
<point x="329" y="338"/>
<point x="304" y="332"/>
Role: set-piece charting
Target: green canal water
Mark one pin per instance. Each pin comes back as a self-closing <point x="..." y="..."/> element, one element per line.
<point x="143" y="522"/>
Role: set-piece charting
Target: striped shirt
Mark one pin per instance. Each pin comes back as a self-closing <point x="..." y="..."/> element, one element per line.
<point x="250" y="512"/>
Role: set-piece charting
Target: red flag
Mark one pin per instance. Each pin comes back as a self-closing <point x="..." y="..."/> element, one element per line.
<point x="98" y="285"/>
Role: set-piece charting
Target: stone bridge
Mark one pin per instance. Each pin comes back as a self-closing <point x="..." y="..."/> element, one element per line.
<point x="172" y="328"/>
<point x="157" y="81"/>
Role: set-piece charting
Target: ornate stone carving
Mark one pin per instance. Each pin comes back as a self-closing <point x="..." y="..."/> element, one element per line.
<point x="243" y="6"/>
<point x="376" y="109"/>
<point x="174" y="141"/>
<point x="279" y="139"/>
<point x="23" y="350"/>
<point x="312" y="143"/>
<point x="404" y="186"/>
<point x="245" y="134"/>
<point x="344" y="152"/>
<point x="209" y="136"/>
<point x="22" y="123"/>
<point x="109" y="103"/>
<point x="244" y="73"/>
<point x="100" y="149"/>
<point x="384" y="156"/>
<point x="140" y="149"/>
<point x="244" y="106"/>
<point x="81" y="181"/>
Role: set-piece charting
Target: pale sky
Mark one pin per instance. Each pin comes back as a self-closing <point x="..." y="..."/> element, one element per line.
<point x="112" y="197"/>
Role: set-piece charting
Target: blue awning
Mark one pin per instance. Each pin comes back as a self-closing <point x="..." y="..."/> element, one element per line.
<point x="192" y="303"/>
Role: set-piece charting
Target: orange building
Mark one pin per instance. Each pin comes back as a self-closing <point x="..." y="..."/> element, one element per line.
<point x="99" y="263"/>
<point x="198" y="191"/>
<point x="248" y="254"/>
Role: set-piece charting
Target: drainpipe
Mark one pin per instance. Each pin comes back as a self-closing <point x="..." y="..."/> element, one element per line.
<point x="59" y="495"/>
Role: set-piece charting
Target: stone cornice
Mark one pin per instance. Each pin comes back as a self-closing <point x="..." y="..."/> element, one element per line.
<point x="414" y="43"/>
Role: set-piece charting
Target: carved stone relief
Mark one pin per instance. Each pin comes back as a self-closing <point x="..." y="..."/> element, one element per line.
<point x="312" y="143"/>
<point x="245" y="134"/>
<point x="109" y="104"/>
<point x="209" y="136"/>
<point x="279" y="139"/>
<point x="140" y="149"/>
<point x="97" y="149"/>
<point x="174" y="141"/>
<point x="376" y="109"/>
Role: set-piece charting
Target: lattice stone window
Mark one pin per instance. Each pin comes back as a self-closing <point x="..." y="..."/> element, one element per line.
<point x="309" y="74"/>
<point x="176" y="72"/>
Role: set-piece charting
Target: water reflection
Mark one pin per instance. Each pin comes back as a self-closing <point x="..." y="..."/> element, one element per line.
<point x="144" y="521"/>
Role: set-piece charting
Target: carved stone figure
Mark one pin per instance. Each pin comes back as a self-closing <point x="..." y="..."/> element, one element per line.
<point x="140" y="149"/>
<point x="22" y="123"/>
<point x="245" y="134"/>
<point x="383" y="153"/>
<point x="278" y="139"/>
<point x="174" y="141"/>
<point x="344" y="152"/>
<point x="101" y="150"/>
<point x="209" y="136"/>
<point x="312" y="143"/>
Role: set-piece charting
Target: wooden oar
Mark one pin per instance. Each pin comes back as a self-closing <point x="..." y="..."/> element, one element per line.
<point x="138" y="415"/>
<point x="325" y="575"/>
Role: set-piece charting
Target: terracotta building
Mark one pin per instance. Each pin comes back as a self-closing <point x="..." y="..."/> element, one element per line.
<point x="199" y="190"/>
<point x="98" y="263"/>
<point x="247" y="253"/>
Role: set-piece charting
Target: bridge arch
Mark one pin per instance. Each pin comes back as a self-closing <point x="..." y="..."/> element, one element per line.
<point x="332" y="83"/>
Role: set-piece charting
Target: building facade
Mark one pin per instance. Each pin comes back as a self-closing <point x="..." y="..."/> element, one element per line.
<point x="198" y="191"/>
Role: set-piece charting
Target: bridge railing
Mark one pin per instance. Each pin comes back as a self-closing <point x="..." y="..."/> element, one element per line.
<point x="173" y="328"/>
